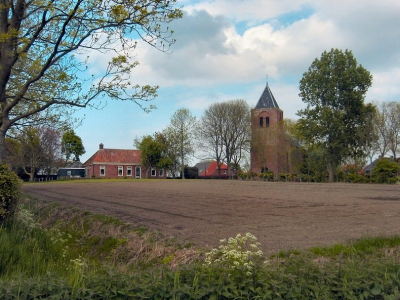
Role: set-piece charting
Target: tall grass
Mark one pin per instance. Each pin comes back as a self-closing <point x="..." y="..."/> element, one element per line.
<point x="28" y="250"/>
<point x="40" y="263"/>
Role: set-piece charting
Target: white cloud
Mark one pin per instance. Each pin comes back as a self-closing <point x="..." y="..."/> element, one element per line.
<point x="216" y="53"/>
<point x="385" y="86"/>
<point x="255" y="10"/>
<point x="225" y="48"/>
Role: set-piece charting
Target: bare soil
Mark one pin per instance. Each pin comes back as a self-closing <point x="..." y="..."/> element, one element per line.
<point x="281" y="215"/>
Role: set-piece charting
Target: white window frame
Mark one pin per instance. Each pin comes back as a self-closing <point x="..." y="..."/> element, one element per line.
<point x="103" y="168"/>
<point x="161" y="173"/>
<point x="153" y="172"/>
<point x="120" y="171"/>
<point x="128" y="170"/>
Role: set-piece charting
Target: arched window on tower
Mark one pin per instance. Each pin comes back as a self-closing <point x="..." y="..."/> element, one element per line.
<point x="266" y="121"/>
<point x="261" y="121"/>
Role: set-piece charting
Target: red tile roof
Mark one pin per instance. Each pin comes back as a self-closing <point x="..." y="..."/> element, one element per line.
<point x="121" y="156"/>
<point x="211" y="168"/>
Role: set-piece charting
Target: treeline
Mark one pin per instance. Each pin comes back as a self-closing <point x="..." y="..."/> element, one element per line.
<point x="43" y="149"/>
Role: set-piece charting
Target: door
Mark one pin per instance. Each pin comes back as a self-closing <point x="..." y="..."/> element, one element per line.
<point x="137" y="172"/>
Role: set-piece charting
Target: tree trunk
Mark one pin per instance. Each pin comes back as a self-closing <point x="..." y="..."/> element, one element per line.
<point x="2" y="145"/>
<point x="182" y="167"/>
<point x="331" y="171"/>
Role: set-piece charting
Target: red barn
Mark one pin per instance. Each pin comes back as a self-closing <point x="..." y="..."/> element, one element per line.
<point x="210" y="170"/>
<point x="119" y="163"/>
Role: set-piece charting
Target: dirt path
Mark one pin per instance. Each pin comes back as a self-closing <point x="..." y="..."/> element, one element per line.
<point x="280" y="215"/>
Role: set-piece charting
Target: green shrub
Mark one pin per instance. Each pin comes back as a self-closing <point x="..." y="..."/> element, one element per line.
<point x="356" y="178"/>
<point x="386" y="171"/>
<point x="267" y="175"/>
<point x="10" y="191"/>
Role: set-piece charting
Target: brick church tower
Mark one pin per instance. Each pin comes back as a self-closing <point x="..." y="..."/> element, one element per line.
<point x="267" y="138"/>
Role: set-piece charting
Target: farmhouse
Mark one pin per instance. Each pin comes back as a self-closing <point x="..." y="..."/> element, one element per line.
<point x="119" y="163"/>
<point x="210" y="170"/>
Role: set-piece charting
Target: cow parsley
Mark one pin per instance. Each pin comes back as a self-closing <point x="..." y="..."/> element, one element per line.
<point x="239" y="252"/>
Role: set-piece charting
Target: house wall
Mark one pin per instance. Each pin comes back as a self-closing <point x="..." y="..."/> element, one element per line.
<point x="71" y="172"/>
<point x="112" y="171"/>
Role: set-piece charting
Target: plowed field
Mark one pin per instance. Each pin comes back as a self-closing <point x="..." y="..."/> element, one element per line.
<point x="280" y="215"/>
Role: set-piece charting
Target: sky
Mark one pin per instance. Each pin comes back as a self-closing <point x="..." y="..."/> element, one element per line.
<point x="230" y="49"/>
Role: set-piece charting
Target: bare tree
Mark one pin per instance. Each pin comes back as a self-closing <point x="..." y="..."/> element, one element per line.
<point x="51" y="147"/>
<point x="180" y="134"/>
<point x="224" y="131"/>
<point x="387" y="122"/>
<point x="35" y="148"/>
<point x="30" y="152"/>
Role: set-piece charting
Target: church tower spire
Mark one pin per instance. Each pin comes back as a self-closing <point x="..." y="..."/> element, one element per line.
<point x="267" y="99"/>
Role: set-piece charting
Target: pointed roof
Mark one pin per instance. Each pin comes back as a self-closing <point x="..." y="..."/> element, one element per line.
<point x="267" y="100"/>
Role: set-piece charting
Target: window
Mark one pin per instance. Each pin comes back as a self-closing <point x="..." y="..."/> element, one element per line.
<point x="69" y="173"/>
<point x="267" y="121"/>
<point x="120" y="171"/>
<point x="261" y="121"/>
<point x="161" y="172"/>
<point x="153" y="172"/>
<point x="102" y="170"/>
<point x="128" y="171"/>
<point x="224" y="172"/>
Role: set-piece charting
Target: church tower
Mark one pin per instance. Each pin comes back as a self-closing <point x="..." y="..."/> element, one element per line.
<point x="267" y="151"/>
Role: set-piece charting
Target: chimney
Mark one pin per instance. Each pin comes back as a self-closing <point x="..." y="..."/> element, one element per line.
<point x="101" y="146"/>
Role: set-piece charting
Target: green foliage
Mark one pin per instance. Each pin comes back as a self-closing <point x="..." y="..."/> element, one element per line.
<point x="385" y="171"/>
<point x="42" y="72"/>
<point x="361" y="247"/>
<point x="154" y="151"/>
<point x="267" y="175"/>
<point x="298" y="276"/>
<point x="28" y="250"/>
<point x="10" y="192"/>
<point x="36" y="264"/>
<point x="72" y="145"/>
<point x="313" y="165"/>
<point x="334" y="89"/>
<point x="247" y="175"/>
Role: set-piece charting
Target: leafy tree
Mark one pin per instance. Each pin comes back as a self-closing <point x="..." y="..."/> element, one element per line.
<point x="314" y="165"/>
<point x="72" y="145"/>
<point x="45" y="46"/>
<point x="153" y="152"/>
<point x="224" y="131"/>
<point x="180" y="135"/>
<point x="334" y="89"/>
<point x="385" y="171"/>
